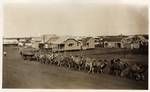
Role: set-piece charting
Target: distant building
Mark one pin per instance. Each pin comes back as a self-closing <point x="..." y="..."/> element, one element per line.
<point x="113" y="42"/>
<point x="99" y="42"/>
<point x="63" y="43"/>
<point x="35" y="42"/>
<point x="134" y="42"/>
<point x="54" y="43"/>
<point x="88" y="43"/>
<point x="72" y="44"/>
<point x="7" y="41"/>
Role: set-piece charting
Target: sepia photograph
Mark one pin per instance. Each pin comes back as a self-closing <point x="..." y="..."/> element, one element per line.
<point x="75" y="44"/>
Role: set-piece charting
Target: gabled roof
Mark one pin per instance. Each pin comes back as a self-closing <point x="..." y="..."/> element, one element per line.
<point x="84" y="40"/>
<point x="59" y="39"/>
<point x="72" y="39"/>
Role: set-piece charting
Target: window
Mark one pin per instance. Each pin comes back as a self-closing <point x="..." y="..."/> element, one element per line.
<point x="70" y="44"/>
<point x="119" y="45"/>
<point x="106" y="44"/>
<point x="61" y="46"/>
<point x="87" y="44"/>
<point x="97" y="40"/>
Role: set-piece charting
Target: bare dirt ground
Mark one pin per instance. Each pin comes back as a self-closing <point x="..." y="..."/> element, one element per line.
<point x="18" y="73"/>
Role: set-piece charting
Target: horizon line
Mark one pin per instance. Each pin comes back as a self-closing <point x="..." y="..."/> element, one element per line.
<point x="75" y="35"/>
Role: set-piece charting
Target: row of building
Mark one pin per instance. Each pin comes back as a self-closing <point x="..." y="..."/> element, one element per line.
<point x="63" y="43"/>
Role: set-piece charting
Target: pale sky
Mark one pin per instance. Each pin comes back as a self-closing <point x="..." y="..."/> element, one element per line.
<point x="75" y="17"/>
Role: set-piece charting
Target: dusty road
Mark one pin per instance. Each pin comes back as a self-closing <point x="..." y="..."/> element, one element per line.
<point x="18" y="73"/>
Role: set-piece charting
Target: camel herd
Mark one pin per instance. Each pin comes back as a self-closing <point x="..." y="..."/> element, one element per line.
<point x="115" y="66"/>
